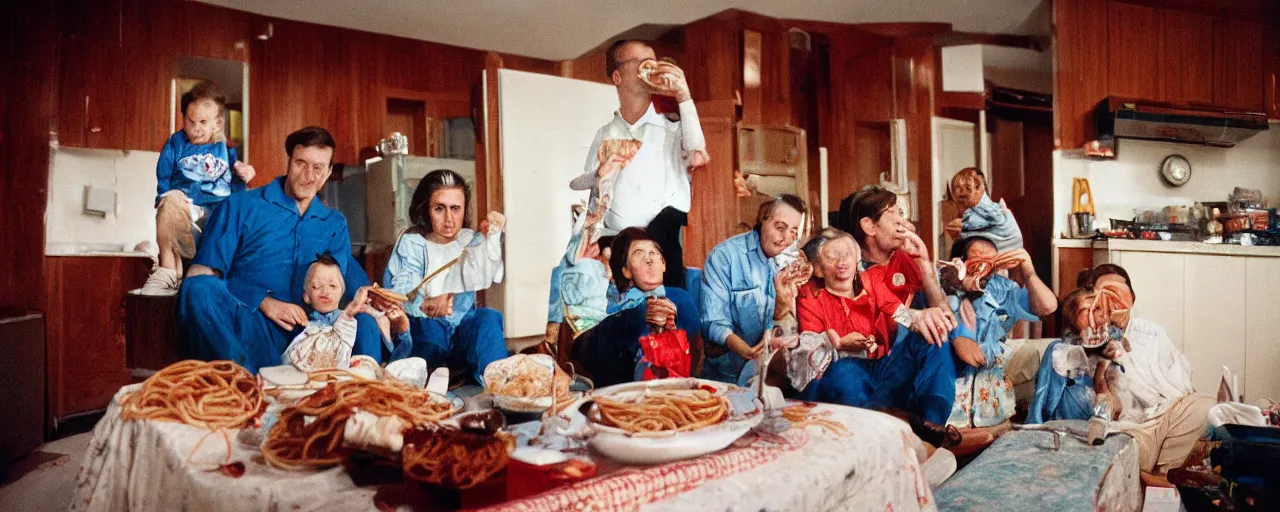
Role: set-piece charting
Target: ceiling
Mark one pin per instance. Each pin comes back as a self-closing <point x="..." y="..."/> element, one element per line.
<point x="566" y="29"/>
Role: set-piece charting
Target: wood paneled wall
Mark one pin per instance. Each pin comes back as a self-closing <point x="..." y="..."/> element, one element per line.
<point x="29" y="100"/>
<point x="1219" y="54"/>
<point x="84" y="329"/>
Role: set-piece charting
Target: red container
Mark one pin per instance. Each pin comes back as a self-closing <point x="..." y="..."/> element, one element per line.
<point x="525" y="479"/>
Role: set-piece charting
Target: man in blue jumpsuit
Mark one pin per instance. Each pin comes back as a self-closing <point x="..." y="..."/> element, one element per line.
<point x="240" y="300"/>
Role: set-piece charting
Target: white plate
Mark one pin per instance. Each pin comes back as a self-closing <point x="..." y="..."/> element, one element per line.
<point x="293" y="385"/>
<point x="528" y="405"/>
<point x="617" y="444"/>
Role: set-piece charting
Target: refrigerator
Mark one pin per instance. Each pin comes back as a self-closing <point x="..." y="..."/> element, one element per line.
<point x="389" y="182"/>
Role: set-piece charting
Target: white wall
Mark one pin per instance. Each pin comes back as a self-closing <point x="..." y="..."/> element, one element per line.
<point x="1132" y="180"/>
<point x="547" y="125"/>
<point x="962" y="68"/>
<point x="131" y="174"/>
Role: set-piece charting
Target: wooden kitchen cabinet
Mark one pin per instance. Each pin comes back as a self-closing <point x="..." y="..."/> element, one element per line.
<point x="1238" y="55"/>
<point x="1271" y="79"/>
<point x="84" y="328"/>
<point x="1188" y="58"/>
<point x="1134" y="43"/>
<point x="114" y="80"/>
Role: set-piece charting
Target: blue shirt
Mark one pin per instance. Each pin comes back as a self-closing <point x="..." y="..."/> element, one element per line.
<point x="407" y="267"/>
<point x="737" y="297"/>
<point x="201" y="171"/>
<point x="1003" y="303"/>
<point x="262" y="247"/>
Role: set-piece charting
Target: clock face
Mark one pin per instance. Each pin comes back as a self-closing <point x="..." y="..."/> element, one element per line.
<point x="1176" y="170"/>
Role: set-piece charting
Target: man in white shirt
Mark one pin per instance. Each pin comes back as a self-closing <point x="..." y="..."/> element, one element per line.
<point x="652" y="188"/>
<point x="1158" y="404"/>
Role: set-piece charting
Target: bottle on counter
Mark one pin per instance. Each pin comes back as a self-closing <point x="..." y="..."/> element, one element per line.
<point x="1197" y="219"/>
<point x="1214" y="228"/>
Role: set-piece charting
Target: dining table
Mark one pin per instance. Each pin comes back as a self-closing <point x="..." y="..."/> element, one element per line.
<point x="873" y="463"/>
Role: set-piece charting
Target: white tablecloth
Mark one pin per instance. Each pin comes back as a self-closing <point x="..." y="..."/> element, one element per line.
<point x="143" y="465"/>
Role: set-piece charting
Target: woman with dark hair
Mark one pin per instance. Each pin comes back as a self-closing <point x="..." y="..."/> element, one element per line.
<point x="446" y="327"/>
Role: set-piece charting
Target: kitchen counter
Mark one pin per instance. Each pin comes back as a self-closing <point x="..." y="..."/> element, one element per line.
<point x="1217" y="302"/>
<point x="1118" y="244"/>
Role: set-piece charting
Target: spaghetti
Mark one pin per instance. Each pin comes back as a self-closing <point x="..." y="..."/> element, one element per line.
<point x="802" y="416"/>
<point x="452" y="458"/>
<point x="212" y="395"/>
<point x="310" y="433"/>
<point x="662" y="410"/>
<point x="981" y="267"/>
<point x="1109" y="299"/>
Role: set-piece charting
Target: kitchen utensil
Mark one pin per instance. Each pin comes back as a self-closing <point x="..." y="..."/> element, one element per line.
<point x="1081" y="225"/>
<point x="1082" y="196"/>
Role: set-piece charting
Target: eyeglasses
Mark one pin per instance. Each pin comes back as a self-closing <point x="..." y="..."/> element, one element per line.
<point x="618" y="65"/>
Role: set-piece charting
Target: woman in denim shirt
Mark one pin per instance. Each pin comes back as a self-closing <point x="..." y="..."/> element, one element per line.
<point x="740" y="298"/>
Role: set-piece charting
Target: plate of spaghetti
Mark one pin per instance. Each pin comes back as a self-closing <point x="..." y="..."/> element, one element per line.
<point x="665" y="420"/>
<point x="311" y="432"/>
<point x="529" y="384"/>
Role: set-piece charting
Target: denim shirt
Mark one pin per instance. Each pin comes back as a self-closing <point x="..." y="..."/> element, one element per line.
<point x="409" y="264"/>
<point x="1003" y="303"/>
<point x="737" y="297"/>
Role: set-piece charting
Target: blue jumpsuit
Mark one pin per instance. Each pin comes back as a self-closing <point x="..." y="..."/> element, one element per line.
<point x="261" y="247"/>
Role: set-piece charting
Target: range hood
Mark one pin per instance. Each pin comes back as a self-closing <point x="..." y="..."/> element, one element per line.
<point x="1209" y="126"/>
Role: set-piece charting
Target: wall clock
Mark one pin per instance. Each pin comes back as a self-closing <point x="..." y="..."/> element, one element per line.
<point x="1176" y="170"/>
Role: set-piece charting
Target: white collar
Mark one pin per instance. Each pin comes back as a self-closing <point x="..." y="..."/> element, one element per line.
<point x="651" y="116"/>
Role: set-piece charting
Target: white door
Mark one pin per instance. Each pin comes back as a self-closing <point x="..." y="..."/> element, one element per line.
<point x="546" y="126"/>
<point x="954" y="148"/>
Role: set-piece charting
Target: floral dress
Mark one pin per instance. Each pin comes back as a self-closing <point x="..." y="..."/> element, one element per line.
<point x="983" y="395"/>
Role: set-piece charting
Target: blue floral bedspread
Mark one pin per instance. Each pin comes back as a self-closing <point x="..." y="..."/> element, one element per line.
<point x="1022" y="472"/>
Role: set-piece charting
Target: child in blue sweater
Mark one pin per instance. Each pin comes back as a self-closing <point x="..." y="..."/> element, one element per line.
<point x="196" y="172"/>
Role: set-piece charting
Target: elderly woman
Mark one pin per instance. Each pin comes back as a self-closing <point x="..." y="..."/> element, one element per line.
<point x="746" y="287"/>
<point x="446" y="327"/>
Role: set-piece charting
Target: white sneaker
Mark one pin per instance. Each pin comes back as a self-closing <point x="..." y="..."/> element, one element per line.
<point x="162" y="282"/>
<point x="939" y="467"/>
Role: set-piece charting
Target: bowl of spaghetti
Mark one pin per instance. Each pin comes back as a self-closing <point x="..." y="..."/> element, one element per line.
<point x="526" y="383"/>
<point x="664" y="420"/>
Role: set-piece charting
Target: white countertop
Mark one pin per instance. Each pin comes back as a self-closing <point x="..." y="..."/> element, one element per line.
<point x="1162" y="246"/>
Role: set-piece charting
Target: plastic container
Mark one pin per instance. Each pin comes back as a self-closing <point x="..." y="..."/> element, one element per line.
<point x="1250" y="457"/>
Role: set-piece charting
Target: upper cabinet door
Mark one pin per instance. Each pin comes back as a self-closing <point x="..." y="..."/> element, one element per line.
<point x="1238" y="65"/>
<point x="1135" y="38"/>
<point x="1188" y="58"/>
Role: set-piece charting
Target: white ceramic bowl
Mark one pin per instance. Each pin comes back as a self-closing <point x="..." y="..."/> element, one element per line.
<point x="657" y="448"/>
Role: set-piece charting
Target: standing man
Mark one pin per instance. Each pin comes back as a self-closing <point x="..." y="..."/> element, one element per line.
<point x="652" y="187"/>
<point x="241" y="298"/>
